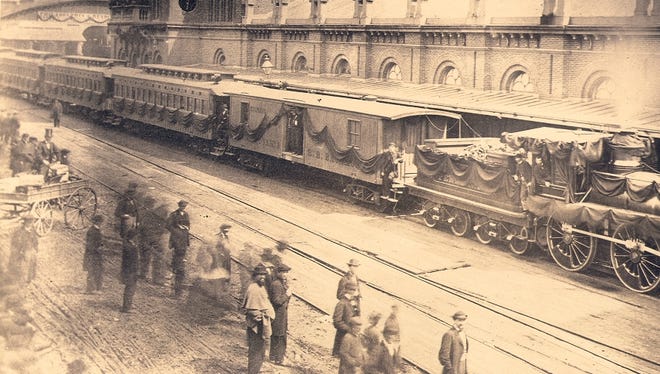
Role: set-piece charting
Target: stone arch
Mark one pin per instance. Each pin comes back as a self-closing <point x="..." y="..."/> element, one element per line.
<point x="341" y="65"/>
<point x="390" y="70"/>
<point x="146" y="58"/>
<point x="262" y="56"/>
<point x="599" y="86"/>
<point x="448" y="73"/>
<point x="219" y="57"/>
<point x="158" y="59"/>
<point x="517" y="79"/>
<point x="299" y="63"/>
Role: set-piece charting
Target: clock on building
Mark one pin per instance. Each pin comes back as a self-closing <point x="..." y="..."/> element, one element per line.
<point x="187" y="5"/>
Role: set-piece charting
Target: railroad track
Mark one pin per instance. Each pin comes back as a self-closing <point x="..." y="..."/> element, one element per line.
<point x="599" y="351"/>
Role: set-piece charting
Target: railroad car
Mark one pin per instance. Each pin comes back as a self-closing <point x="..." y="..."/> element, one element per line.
<point x="23" y="71"/>
<point x="582" y="195"/>
<point x="81" y="83"/>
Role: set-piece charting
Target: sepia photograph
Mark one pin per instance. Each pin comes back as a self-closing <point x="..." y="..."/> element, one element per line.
<point x="329" y="186"/>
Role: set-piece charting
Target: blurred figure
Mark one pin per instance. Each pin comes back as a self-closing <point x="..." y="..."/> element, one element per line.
<point x="280" y="294"/>
<point x="281" y="248"/>
<point x="129" y="269"/>
<point x="56" y="112"/>
<point x="93" y="257"/>
<point x="126" y="213"/>
<point x="258" y="316"/>
<point x="249" y="258"/>
<point x="371" y="340"/>
<point x="387" y="355"/>
<point x="345" y="309"/>
<point x="178" y="224"/>
<point x="392" y="321"/>
<point x="351" y="353"/>
<point x="454" y="347"/>
<point x="150" y="231"/>
<point x="34" y="147"/>
<point x="223" y="253"/>
<point x="21" y="156"/>
<point x="389" y="171"/>
<point x="350" y="277"/>
<point x="22" y="265"/>
<point x="159" y="214"/>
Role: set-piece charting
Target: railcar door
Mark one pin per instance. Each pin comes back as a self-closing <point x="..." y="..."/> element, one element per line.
<point x="294" y="131"/>
<point x="221" y="112"/>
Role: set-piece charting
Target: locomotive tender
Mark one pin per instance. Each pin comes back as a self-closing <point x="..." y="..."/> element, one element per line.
<point x="570" y="191"/>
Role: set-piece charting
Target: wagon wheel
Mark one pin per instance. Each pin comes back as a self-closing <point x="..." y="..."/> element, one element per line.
<point x="79" y="208"/>
<point x="571" y="250"/>
<point x="460" y="223"/>
<point x="43" y="217"/>
<point x="636" y="269"/>
<point x="432" y="214"/>
<point x="519" y="243"/>
<point x="482" y="224"/>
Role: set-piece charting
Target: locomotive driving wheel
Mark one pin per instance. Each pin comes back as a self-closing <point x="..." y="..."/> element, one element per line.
<point x="79" y="208"/>
<point x="519" y="243"/>
<point x="461" y="222"/>
<point x="42" y="212"/>
<point x="637" y="268"/>
<point x="572" y="249"/>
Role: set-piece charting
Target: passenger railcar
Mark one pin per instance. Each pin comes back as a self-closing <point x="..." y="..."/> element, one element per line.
<point x="23" y="71"/>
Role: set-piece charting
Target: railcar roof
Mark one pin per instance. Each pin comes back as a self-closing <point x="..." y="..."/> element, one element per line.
<point x="551" y="134"/>
<point x="373" y="108"/>
<point x="120" y="71"/>
<point x="69" y="62"/>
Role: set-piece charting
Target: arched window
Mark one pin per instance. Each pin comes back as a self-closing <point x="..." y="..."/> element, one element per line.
<point x="342" y="67"/>
<point x="300" y="63"/>
<point x="392" y="72"/>
<point x="519" y="81"/>
<point x="219" y="57"/>
<point x="449" y="75"/>
<point x="604" y="89"/>
<point x="263" y="56"/>
<point x="158" y="59"/>
<point x="146" y="59"/>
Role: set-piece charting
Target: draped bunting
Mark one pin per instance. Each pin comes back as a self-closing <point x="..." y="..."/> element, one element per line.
<point x="239" y="131"/>
<point x="593" y="216"/>
<point x="203" y="124"/>
<point x="638" y="190"/>
<point x="490" y="179"/>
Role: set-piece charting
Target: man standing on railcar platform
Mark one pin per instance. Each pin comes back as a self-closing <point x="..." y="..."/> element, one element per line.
<point x="178" y="224"/>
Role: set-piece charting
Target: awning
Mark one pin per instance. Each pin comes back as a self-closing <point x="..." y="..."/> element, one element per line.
<point x="47" y="31"/>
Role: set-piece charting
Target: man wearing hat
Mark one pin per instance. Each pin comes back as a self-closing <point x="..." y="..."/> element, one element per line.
<point x="126" y="212"/>
<point x="387" y="356"/>
<point x="351" y="353"/>
<point x="22" y="156"/>
<point x="454" y="347"/>
<point x="345" y="309"/>
<point x="56" y="112"/>
<point x="93" y="257"/>
<point x="223" y="249"/>
<point x="178" y="224"/>
<point x="47" y="153"/>
<point x="280" y="293"/>
<point x="22" y="264"/>
<point x="350" y="277"/>
<point x="259" y="313"/>
<point x="129" y="269"/>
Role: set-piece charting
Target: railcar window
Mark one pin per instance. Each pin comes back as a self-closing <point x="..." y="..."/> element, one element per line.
<point x="203" y="107"/>
<point x="245" y="113"/>
<point x="354" y="128"/>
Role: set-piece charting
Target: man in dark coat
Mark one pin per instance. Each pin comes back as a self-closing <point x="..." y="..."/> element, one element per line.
<point x="454" y="347"/>
<point x="387" y="355"/>
<point x="351" y="352"/>
<point x="93" y="257"/>
<point x="389" y="170"/>
<point x="22" y="156"/>
<point x="350" y="277"/>
<point x="259" y="314"/>
<point x="280" y="293"/>
<point x="47" y="153"/>
<point x="223" y="253"/>
<point x="126" y="212"/>
<point x="345" y="309"/>
<point x="22" y="265"/>
<point x="150" y="231"/>
<point x="129" y="269"/>
<point x="56" y="112"/>
<point x="178" y="224"/>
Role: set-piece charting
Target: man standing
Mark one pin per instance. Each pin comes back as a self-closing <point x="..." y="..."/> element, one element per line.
<point x="387" y="356"/>
<point x="56" y="112"/>
<point x="350" y="277"/>
<point x="258" y="316"/>
<point x="454" y="347"/>
<point x="126" y="213"/>
<point x="23" y="257"/>
<point x="129" y="269"/>
<point x="389" y="170"/>
<point x="345" y="309"/>
<point x="351" y="353"/>
<point x="93" y="257"/>
<point x="22" y="156"/>
<point x="223" y="250"/>
<point x="178" y="224"/>
<point x="280" y="293"/>
<point x="150" y="231"/>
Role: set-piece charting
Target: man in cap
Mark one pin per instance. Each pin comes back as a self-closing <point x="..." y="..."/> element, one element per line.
<point x="23" y="256"/>
<point x="93" y="257"/>
<point x="280" y="293"/>
<point x="350" y="277"/>
<point x="178" y="224"/>
<point x="56" y="112"/>
<point x="345" y="309"/>
<point x="126" y="212"/>
<point x="454" y="347"/>
<point x="129" y="269"/>
<point x="351" y="353"/>
<point x="259" y="313"/>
